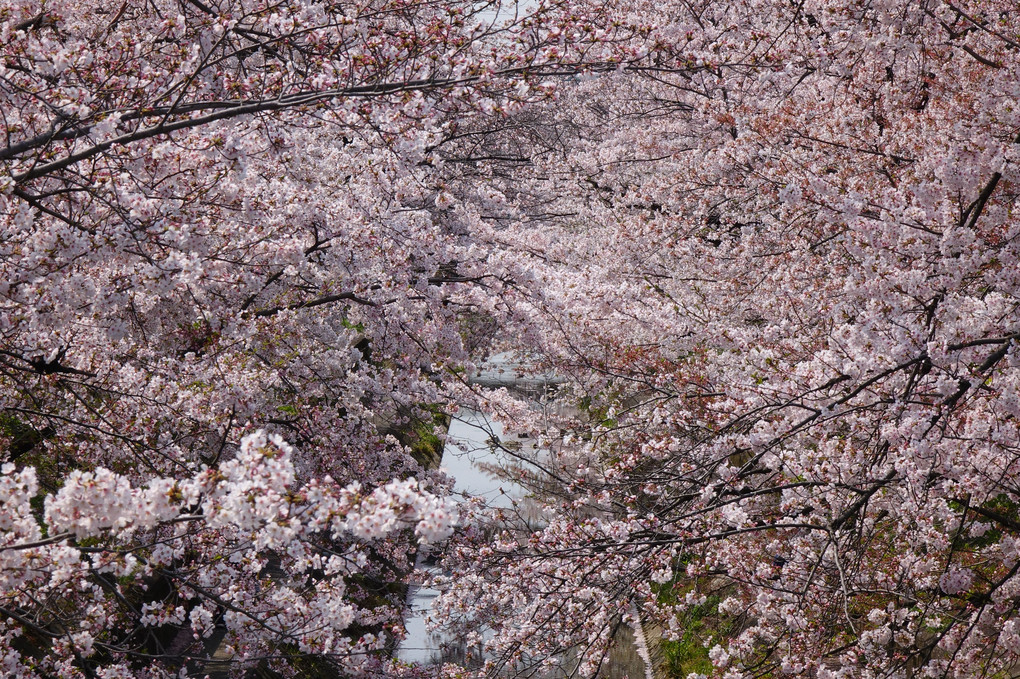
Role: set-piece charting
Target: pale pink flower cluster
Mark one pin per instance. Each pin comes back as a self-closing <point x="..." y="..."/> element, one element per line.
<point x="91" y="502"/>
<point x="254" y="492"/>
<point x="254" y="502"/>
<point x="401" y="502"/>
<point x="956" y="580"/>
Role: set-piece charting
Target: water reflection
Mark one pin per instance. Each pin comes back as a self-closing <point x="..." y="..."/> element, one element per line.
<point x="471" y="459"/>
<point x="475" y="453"/>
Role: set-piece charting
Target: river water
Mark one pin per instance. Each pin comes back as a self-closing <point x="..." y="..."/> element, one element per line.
<point x="472" y="460"/>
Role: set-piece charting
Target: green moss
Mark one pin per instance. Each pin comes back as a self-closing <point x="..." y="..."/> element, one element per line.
<point x="686" y="655"/>
<point x="703" y="627"/>
<point x="419" y="434"/>
<point x="357" y="327"/>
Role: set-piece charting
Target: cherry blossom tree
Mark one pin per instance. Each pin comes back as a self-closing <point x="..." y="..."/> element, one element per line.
<point x="236" y="283"/>
<point x="248" y="246"/>
<point x="779" y="266"/>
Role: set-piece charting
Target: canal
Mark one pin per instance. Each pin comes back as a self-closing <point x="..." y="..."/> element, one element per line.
<point x="474" y="455"/>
